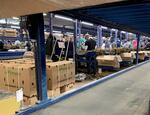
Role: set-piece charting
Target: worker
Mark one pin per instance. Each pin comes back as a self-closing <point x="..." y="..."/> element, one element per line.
<point x="49" y="45"/>
<point x="17" y="44"/>
<point x="1" y="45"/>
<point x="28" y="45"/>
<point x="134" y="43"/>
<point x="90" y="43"/>
<point x="82" y="40"/>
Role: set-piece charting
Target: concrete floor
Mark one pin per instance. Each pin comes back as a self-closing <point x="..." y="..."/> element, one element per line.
<point x="127" y="94"/>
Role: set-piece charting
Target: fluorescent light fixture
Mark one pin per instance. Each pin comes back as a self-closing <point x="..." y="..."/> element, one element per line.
<point x="14" y="23"/>
<point x="63" y="18"/>
<point x="130" y="33"/>
<point x="69" y="27"/>
<point x="15" y="27"/>
<point x="113" y="29"/>
<point x="44" y="14"/>
<point x="69" y="33"/>
<point x="123" y="32"/>
<point x="103" y="27"/>
<point x="15" y="18"/>
<point x="87" y="23"/>
<point x="57" y="31"/>
<point x="2" y="21"/>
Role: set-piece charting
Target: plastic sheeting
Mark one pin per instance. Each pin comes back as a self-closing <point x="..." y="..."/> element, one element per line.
<point x="9" y="8"/>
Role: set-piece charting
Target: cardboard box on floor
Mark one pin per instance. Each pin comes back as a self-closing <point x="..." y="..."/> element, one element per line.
<point x="109" y="60"/>
<point x="126" y="56"/>
<point x="10" y="33"/>
<point x="67" y="87"/>
<point x="19" y="75"/>
<point x="58" y="74"/>
<point x="54" y="92"/>
<point x="29" y="100"/>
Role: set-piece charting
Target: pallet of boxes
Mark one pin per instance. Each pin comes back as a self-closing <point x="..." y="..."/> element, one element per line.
<point x="109" y="61"/>
<point x="141" y="55"/>
<point x="20" y="73"/>
<point x="128" y="57"/>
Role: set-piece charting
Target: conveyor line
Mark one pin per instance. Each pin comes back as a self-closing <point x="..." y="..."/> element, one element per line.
<point x="127" y="94"/>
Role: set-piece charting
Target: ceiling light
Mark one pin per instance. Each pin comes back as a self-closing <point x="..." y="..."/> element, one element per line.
<point x="103" y="27"/>
<point x="56" y="31"/>
<point x="2" y="21"/>
<point x="63" y="17"/>
<point x="44" y="14"/>
<point x="113" y="29"/>
<point x="123" y="32"/>
<point x="87" y="23"/>
<point x="15" y="18"/>
<point x="15" y="27"/>
<point x="130" y="33"/>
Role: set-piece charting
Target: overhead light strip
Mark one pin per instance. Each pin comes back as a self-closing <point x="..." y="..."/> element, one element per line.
<point x="63" y="18"/>
<point x="87" y="23"/>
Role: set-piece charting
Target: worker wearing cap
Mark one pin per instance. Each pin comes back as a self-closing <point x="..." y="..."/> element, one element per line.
<point x="90" y="43"/>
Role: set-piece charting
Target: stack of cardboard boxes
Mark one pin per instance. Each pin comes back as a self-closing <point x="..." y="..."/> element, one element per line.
<point x="1" y="32"/>
<point x="109" y="60"/>
<point x="127" y="57"/>
<point x="141" y="55"/>
<point x="10" y="33"/>
<point x="20" y="73"/>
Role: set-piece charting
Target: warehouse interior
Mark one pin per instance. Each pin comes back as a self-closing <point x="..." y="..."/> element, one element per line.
<point x="74" y="57"/>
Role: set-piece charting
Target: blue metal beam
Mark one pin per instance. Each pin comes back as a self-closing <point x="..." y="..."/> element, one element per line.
<point x="137" y="49"/>
<point x="51" y="22"/>
<point x="36" y="31"/>
<point x="98" y="36"/>
<point x="75" y="37"/>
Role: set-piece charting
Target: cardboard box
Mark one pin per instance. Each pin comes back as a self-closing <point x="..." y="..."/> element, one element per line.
<point x="1" y="32"/>
<point x="126" y="56"/>
<point x="20" y="76"/>
<point x="54" y="92"/>
<point x="59" y="73"/>
<point x="67" y="87"/>
<point x="10" y="33"/>
<point x="29" y="100"/>
<point x="109" y="60"/>
<point x="29" y="54"/>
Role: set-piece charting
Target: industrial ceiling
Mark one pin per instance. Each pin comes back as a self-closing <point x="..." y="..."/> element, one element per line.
<point x="132" y="16"/>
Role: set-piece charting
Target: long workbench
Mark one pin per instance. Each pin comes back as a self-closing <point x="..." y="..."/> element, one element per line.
<point x="127" y="94"/>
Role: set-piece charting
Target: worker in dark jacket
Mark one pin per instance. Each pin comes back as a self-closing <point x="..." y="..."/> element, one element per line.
<point x="90" y="43"/>
<point x="1" y="45"/>
<point x="49" y="45"/>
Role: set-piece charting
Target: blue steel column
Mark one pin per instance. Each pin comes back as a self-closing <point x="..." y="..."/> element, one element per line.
<point x="36" y="32"/>
<point x="98" y="36"/>
<point x="79" y="29"/>
<point x="126" y="35"/>
<point x="51" y="23"/>
<point x="137" y="49"/>
<point x="116" y="35"/>
<point x="120" y="35"/>
<point x="110" y="32"/>
<point x="63" y="29"/>
<point x="75" y="36"/>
